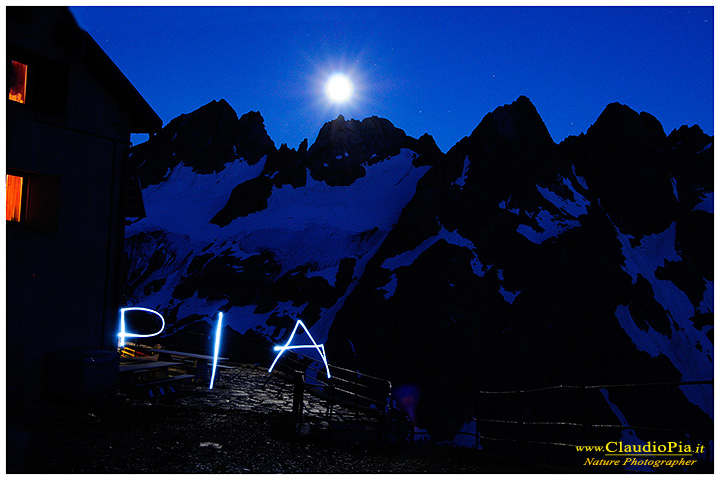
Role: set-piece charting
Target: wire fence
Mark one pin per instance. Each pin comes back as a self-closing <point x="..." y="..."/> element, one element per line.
<point x="540" y="419"/>
<point x="553" y="420"/>
<point x="558" y="420"/>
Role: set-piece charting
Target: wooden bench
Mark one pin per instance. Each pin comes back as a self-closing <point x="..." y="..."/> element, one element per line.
<point x="171" y="383"/>
<point x="195" y="363"/>
<point x="140" y="366"/>
<point x="147" y="377"/>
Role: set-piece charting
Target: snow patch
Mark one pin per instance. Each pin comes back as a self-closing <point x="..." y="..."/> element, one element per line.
<point x="649" y="341"/>
<point x="329" y="274"/>
<point x="316" y="225"/>
<point x="706" y="203"/>
<point x="186" y="201"/>
<point x="478" y="268"/>
<point x="505" y="205"/>
<point x="407" y="258"/>
<point x="574" y="207"/>
<point x="460" y="182"/>
<point x="290" y="309"/>
<point x="507" y="295"/>
<point x="707" y="305"/>
<point x="385" y="190"/>
<point x="580" y="180"/>
<point x="242" y="319"/>
<point x="688" y="348"/>
<point x="550" y="226"/>
<point x="627" y="436"/>
<point x="652" y="252"/>
<point x="315" y="244"/>
<point x="389" y="288"/>
<point x="322" y="327"/>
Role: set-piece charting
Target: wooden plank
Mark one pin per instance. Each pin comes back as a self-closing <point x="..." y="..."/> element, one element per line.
<point x="176" y="378"/>
<point x="185" y="354"/>
<point x="131" y="367"/>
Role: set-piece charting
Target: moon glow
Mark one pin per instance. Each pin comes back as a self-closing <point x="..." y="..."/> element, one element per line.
<point x="339" y="88"/>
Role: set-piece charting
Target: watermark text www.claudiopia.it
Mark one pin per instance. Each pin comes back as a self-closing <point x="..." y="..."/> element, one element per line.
<point x="668" y="454"/>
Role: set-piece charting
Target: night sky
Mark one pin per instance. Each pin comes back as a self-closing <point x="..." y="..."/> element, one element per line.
<point x="426" y="69"/>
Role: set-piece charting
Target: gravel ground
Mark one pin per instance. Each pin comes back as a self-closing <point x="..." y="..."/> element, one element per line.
<point x="219" y="431"/>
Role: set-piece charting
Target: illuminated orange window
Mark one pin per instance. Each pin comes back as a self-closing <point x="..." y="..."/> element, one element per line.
<point x="18" y="82"/>
<point x="13" y="197"/>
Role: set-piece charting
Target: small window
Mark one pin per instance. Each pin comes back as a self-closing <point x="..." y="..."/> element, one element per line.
<point x="18" y="82"/>
<point x="32" y="199"/>
<point x="14" y="198"/>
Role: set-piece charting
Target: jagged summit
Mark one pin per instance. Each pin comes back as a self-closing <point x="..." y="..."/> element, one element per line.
<point x="343" y="147"/>
<point x="509" y="262"/>
<point x="205" y="140"/>
<point x="520" y="118"/>
<point x="618" y="121"/>
<point x="624" y="158"/>
<point x="218" y="109"/>
<point x="251" y="139"/>
<point x="507" y="154"/>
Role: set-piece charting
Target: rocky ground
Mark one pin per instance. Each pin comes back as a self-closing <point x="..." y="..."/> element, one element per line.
<point x="243" y="425"/>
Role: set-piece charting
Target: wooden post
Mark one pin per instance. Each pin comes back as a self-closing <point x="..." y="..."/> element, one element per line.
<point x="520" y="431"/>
<point x="331" y="405"/>
<point x="298" y="393"/>
<point x="388" y="413"/>
<point x="476" y="413"/>
<point x="585" y="416"/>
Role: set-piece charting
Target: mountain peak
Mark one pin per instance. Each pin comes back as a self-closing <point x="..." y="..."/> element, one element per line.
<point x="507" y="249"/>
<point x="508" y="121"/>
<point x="219" y="110"/>
<point x="510" y="150"/>
<point x="618" y="121"/>
<point x="205" y="140"/>
<point x="627" y="161"/>
<point x="349" y="144"/>
<point x="251" y="140"/>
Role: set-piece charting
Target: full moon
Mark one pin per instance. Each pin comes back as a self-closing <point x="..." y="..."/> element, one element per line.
<point x="338" y="88"/>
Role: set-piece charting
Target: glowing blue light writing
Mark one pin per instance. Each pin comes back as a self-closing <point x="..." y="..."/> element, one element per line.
<point x="217" y="349"/>
<point x="320" y="348"/>
<point x="123" y="334"/>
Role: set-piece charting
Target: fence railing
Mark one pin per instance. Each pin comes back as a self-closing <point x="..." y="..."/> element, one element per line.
<point x="365" y="400"/>
<point x="566" y="417"/>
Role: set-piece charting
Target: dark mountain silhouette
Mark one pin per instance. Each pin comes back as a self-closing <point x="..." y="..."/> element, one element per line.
<point x="205" y="140"/>
<point x="510" y="262"/>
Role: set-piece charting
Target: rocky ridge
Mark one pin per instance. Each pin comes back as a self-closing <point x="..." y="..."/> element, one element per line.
<point x="508" y="262"/>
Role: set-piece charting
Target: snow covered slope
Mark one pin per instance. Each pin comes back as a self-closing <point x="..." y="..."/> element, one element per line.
<point x="509" y="262"/>
<point x="520" y="263"/>
<point x="311" y="228"/>
<point x="294" y="257"/>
